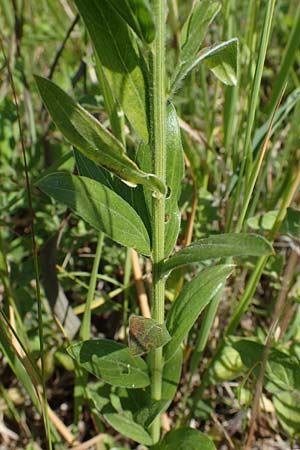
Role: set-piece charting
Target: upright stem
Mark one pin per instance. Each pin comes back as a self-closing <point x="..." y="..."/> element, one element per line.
<point x="158" y="203"/>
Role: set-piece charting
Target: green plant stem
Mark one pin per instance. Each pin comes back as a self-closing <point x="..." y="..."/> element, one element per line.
<point x="246" y="164"/>
<point x="158" y="145"/>
<point x="85" y="330"/>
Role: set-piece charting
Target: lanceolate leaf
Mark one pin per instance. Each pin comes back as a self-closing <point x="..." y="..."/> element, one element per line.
<point x="186" y="438"/>
<point x="87" y="134"/>
<point x="219" y="246"/>
<point x="112" y="362"/>
<point x="87" y="168"/>
<point x="190" y="302"/>
<point x="138" y="15"/>
<point x="120" y="60"/>
<point x="174" y="176"/>
<point x="127" y="426"/>
<point x="221" y="60"/>
<point x="146" y="334"/>
<point x="100" y="207"/>
<point x="193" y="33"/>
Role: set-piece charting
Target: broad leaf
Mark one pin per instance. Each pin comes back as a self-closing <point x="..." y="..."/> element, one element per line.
<point x="85" y="133"/>
<point x="282" y="370"/>
<point x="287" y="406"/>
<point x="119" y="58"/>
<point x="174" y="176"/>
<point x="127" y="426"/>
<point x="112" y="362"/>
<point x="193" y="34"/>
<point x="100" y="207"/>
<point x="138" y="15"/>
<point x="146" y="334"/>
<point x="186" y="438"/>
<point x="87" y="168"/>
<point x="191" y="301"/>
<point x="218" y="246"/>
<point x="227" y="365"/>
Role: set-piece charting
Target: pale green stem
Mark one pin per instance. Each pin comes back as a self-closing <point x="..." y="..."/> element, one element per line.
<point x="85" y="330"/>
<point x="158" y="203"/>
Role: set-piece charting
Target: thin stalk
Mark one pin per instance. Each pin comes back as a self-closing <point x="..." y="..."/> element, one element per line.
<point x="158" y="145"/>
<point x="85" y="330"/>
<point x="246" y="163"/>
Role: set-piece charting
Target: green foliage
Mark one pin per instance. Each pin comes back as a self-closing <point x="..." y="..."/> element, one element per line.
<point x="152" y="176"/>
<point x="100" y="207"/>
<point x="112" y="362"/>
<point x="183" y="438"/>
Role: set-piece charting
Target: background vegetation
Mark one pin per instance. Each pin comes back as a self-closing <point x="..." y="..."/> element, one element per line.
<point x="241" y="144"/>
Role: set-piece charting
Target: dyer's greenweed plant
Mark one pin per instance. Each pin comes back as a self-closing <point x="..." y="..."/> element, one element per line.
<point x="132" y="197"/>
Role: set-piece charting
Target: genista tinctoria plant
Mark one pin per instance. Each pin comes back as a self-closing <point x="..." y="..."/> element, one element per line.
<point x="129" y="43"/>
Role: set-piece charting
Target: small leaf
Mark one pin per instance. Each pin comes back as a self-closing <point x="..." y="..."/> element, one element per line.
<point x="291" y="223"/>
<point x="222" y="61"/>
<point x="218" y="246"/>
<point x="85" y="133"/>
<point x="186" y="439"/>
<point x="112" y="362"/>
<point x="263" y="221"/>
<point x="193" y="34"/>
<point x="138" y="15"/>
<point x="119" y="58"/>
<point x="127" y="426"/>
<point x="190" y="302"/>
<point x="100" y="207"/>
<point x="146" y="334"/>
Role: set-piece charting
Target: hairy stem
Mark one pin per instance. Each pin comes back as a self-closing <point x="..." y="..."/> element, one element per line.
<point x="158" y="204"/>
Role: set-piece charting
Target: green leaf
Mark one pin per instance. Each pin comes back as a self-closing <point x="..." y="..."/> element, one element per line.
<point x="290" y="225"/>
<point x="138" y="15"/>
<point x="146" y="334"/>
<point x="174" y="176"/>
<point x="186" y="438"/>
<point x="287" y="406"/>
<point x="282" y="370"/>
<point x="227" y="365"/>
<point x="87" y="168"/>
<point x="119" y="58"/>
<point x="112" y="362"/>
<point x="218" y="246"/>
<point x="127" y="426"/>
<point x="223" y="61"/>
<point x="190" y="302"/>
<point x="193" y="34"/>
<point x="100" y="207"/>
<point x="85" y="133"/>
<point x="171" y="375"/>
<point x="263" y="221"/>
